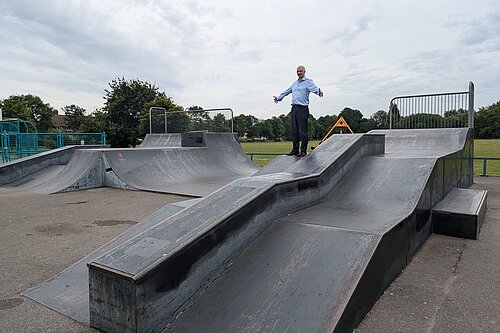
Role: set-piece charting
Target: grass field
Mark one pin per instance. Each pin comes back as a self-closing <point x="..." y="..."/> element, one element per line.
<point x="482" y="148"/>
<point x="487" y="148"/>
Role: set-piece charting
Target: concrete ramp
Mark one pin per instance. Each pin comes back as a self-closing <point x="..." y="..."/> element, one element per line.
<point x="322" y="268"/>
<point x="161" y="140"/>
<point x="13" y="171"/>
<point x="194" y="171"/>
<point x="279" y="164"/>
<point x="143" y="284"/>
<point x="307" y="249"/>
<point x="82" y="172"/>
<point x="164" y="167"/>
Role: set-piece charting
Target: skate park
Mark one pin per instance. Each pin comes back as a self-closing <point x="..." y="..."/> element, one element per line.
<point x="309" y="246"/>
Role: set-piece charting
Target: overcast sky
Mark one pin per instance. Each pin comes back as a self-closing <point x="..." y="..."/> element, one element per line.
<point x="238" y="54"/>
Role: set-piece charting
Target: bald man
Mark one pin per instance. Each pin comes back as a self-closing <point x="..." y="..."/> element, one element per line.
<point x="300" y="90"/>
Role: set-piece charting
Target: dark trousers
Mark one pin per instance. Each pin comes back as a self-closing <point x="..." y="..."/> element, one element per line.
<point x="300" y="114"/>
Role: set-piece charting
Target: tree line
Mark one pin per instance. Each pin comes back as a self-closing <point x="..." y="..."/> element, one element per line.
<point x="125" y="116"/>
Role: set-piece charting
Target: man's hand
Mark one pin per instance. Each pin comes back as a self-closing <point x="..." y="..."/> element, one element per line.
<point x="275" y="99"/>
<point x="320" y="93"/>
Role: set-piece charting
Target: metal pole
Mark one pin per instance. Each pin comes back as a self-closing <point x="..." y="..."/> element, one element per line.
<point x="471" y="104"/>
<point x="150" y="129"/>
<point x="390" y="115"/>
<point x="150" y="123"/>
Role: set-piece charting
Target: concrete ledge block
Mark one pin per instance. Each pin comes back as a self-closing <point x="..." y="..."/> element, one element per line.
<point x="460" y="213"/>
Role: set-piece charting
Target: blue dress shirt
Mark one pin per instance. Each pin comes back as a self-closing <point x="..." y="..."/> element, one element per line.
<point x="300" y="90"/>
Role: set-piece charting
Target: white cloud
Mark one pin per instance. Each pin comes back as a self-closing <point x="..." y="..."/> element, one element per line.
<point x="239" y="54"/>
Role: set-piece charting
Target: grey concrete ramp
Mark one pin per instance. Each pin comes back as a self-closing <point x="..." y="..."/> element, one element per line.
<point x="143" y="284"/>
<point x="320" y="269"/>
<point x="83" y="171"/>
<point x="161" y="140"/>
<point x="164" y="166"/>
<point x="194" y="171"/>
<point x="36" y="178"/>
<point x="435" y="142"/>
<point x="279" y="164"/>
<point x="21" y="168"/>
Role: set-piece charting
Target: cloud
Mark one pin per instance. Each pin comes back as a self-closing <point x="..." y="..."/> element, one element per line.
<point x="351" y="32"/>
<point x="239" y="54"/>
<point x="478" y="31"/>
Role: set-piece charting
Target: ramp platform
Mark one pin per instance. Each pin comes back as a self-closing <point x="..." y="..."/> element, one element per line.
<point x="460" y="213"/>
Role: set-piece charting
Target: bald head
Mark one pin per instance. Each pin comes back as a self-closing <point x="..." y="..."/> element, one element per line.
<point x="301" y="71"/>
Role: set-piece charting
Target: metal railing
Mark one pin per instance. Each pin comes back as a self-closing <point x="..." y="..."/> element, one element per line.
<point x="485" y="159"/>
<point x="212" y="120"/>
<point x="17" y="145"/>
<point x="454" y="109"/>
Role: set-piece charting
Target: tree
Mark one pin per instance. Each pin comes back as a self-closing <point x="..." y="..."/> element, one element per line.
<point x="353" y="118"/>
<point x="97" y="121"/>
<point x="30" y="108"/>
<point x="394" y="115"/>
<point x="456" y="118"/>
<point x="199" y="120"/>
<point x="487" y="122"/>
<point x="323" y="125"/>
<point x="311" y="127"/>
<point x="277" y="128"/>
<point x="127" y="106"/>
<point x="380" y="119"/>
<point x="286" y="120"/>
<point x="220" y="124"/>
<point x="75" y="117"/>
<point x="245" y="125"/>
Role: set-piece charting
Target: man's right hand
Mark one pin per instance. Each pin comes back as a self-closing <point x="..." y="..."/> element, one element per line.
<point x="275" y="99"/>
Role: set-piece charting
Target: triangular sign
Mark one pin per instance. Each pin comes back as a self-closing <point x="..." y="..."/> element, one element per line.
<point x="342" y="123"/>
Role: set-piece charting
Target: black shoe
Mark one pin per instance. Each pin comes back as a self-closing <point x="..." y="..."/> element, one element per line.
<point x="292" y="153"/>
<point x="302" y="154"/>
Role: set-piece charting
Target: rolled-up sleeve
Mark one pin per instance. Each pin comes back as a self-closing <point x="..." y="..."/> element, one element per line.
<point x="311" y="87"/>
<point x="284" y="94"/>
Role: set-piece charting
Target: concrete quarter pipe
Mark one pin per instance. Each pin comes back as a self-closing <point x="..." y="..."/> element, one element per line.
<point x="162" y="164"/>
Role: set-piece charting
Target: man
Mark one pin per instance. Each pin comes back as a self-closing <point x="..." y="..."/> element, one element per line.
<point x="300" y="90"/>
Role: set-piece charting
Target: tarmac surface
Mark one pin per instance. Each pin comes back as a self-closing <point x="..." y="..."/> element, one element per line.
<point x="451" y="285"/>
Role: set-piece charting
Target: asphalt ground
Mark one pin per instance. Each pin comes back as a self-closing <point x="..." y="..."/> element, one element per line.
<point x="451" y="285"/>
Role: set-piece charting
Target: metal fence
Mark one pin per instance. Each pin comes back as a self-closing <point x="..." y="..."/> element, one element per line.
<point x="211" y="120"/>
<point x="494" y="163"/>
<point x="454" y="109"/>
<point x="16" y="145"/>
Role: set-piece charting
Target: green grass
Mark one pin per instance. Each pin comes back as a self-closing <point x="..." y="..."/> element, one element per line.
<point x="487" y="148"/>
<point x="482" y="148"/>
<point x="270" y="147"/>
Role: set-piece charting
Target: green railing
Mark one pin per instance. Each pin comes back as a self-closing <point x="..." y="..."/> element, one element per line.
<point x="494" y="166"/>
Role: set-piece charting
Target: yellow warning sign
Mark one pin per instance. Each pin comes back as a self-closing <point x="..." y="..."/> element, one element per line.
<point x="340" y="123"/>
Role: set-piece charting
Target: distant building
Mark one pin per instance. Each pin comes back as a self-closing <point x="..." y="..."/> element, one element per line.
<point x="59" y="122"/>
